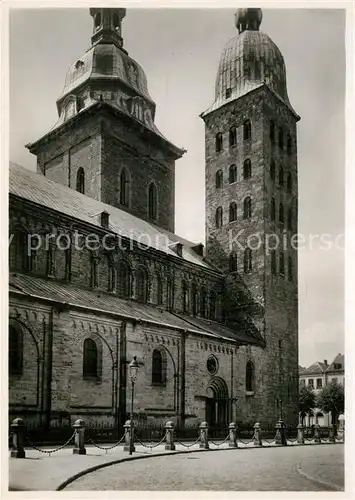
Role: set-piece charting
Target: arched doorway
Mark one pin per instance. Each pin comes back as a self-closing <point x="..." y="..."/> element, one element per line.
<point x="217" y="402"/>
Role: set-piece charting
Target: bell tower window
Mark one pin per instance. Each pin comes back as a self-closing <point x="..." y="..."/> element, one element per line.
<point x="80" y="181"/>
<point x="247" y="130"/>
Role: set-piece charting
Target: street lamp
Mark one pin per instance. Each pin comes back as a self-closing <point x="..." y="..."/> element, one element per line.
<point x="133" y="372"/>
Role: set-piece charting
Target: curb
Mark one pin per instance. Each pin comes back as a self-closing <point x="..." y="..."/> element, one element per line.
<point x="320" y="482"/>
<point x="94" y="468"/>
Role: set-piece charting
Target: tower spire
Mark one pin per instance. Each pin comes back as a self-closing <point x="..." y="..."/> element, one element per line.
<point x="107" y="27"/>
<point x="248" y="19"/>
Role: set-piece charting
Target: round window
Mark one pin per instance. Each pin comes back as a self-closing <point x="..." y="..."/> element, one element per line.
<point x="212" y="365"/>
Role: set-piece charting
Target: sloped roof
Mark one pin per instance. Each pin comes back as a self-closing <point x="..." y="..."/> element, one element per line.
<point x="99" y="301"/>
<point x="317" y="368"/>
<point x="339" y="359"/>
<point x="38" y="189"/>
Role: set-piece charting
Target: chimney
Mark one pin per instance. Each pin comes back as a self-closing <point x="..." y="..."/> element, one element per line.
<point x="326" y="362"/>
<point x="177" y="248"/>
<point x="104" y="219"/>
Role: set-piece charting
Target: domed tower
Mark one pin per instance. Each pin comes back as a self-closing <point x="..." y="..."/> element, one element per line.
<point x="105" y="143"/>
<point x="251" y="212"/>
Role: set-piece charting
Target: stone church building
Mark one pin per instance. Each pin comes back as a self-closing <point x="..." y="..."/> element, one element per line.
<point x="97" y="274"/>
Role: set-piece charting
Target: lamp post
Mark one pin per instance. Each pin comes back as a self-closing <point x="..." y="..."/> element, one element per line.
<point x="133" y="372"/>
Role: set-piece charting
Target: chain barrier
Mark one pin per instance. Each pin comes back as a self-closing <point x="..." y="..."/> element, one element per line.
<point x="269" y="441"/>
<point x="152" y="445"/>
<point x="222" y="442"/>
<point x="49" y="452"/>
<point x="247" y="442"/>
<point x="186" y="445"/>
<point x="106" y="448"/>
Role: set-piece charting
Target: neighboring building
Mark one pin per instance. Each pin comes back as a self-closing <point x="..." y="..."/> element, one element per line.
<point x="215" y="331"/>
<point x="318" y="376"/>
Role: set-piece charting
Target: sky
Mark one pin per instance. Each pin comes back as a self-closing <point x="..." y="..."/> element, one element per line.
<point x="179" y="51"/>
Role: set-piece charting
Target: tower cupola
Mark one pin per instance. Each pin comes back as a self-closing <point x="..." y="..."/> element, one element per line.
<point x="107" y="26"/>
<point x="248" y="19"/>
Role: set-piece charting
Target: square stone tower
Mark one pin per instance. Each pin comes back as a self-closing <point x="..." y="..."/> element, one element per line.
<point x="251" y="209"/>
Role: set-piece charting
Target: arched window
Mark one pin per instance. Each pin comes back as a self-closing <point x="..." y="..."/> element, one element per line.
<point x="219" y="142"/>
<point x="272" y="170"/>
<point x="232" y="212"/>
<point x="111" y="275"/>
<point x="281" y="176"/>
<point x="232" y="136"/>
<point x="159" y="290"/>
<point x="124" y="188"/>
<point x="232" y="174"/>
<point x="124" y="280"/>
<point x="212" y="305"/>
<point x="219" y="179"/>
<point x="170" y="294"/>
<point x="94" y="279"/>
<point x="247" y="169"/>
<point x="281" y="214"/>
<point x="203" y="296"/>
<point x="19" y="254"/>
<point x="281" y="138"/>
<point x="290" y="268"/>
<point x="152" y="201"/>
<point x="289" y="183"/>
<point x="219" y="217"/>
<point x="90" y="359"/>
<point x="142" y="285"/>
<point x="15" y="351"/>
<point x="273" y="261"/>
<point x="248" y="265"/>
<point x="282" y="263"/>
<point x="97" y="20"/>
<point x="247" y="207"/>
<point x="272" y="132"/>
<point x="158" y="368"/>
<point x="233" y="262"/>
<point x="273" y="210"/>
<point x="289" y="144"/>
<point x="249" y="377"/>
<point x="194" y="299"/>
<point x="246" y="130"/>
<point x="185" y="297"/>
<point x="80" y="181"/>
<point x="289" y="219"/>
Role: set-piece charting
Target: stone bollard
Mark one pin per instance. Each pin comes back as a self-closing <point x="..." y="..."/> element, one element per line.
<point x="280" y="433"/>
<point x="18" y="439"/>
<point x="233" y="435"/>
<point x="129" y="437"/>
<point x="79" y="438"/>
<point x="257" y="435"/>
<point x="317" y="433"/>
<point x="331" y="434"/>
<point x="204" y="436"/>
<point x="169" y="427"/>
<point x="300" y="434"/>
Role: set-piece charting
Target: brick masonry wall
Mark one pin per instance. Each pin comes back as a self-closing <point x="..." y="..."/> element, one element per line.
<point x="103" y="145"/>
<point x="276" y="378"/>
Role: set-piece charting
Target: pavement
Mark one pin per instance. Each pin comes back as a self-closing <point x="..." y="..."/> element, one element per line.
<point x="62" y="469"/>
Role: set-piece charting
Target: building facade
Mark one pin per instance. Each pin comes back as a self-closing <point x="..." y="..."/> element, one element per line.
<point x="98" y="276"/>
<point x="319" y="375"/>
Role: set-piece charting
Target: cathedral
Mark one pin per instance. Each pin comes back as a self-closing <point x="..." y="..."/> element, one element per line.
<point x="98" y="275"/>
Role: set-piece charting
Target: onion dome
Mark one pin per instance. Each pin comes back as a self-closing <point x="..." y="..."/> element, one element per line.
<point x="249" y="60"/>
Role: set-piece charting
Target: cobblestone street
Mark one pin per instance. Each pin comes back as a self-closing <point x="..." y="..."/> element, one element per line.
<point x="303" y="468"/>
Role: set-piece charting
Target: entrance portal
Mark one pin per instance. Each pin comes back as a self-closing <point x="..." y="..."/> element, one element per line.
<point x="217" y="402"/>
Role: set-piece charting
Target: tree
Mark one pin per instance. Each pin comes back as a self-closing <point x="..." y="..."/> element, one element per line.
<point x="331" y="399"/>
<point x="306" y="401"/>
